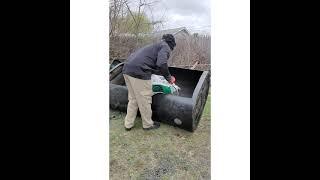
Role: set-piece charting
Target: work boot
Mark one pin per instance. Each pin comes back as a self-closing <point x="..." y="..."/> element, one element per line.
<point x="128" y="129"/>
<point x="155" y="125"/>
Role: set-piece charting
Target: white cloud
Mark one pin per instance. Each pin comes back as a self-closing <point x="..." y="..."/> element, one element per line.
<point x="192" y="14"/>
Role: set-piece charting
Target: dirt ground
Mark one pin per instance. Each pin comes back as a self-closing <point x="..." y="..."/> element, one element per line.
<point x="165" y="153"/>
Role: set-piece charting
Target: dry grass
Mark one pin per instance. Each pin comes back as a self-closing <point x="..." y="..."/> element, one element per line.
<point x="165" y="153"/>
<point x="187" y="52"/>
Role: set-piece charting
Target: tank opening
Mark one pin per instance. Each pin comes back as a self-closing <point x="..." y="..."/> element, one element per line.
<point x="186" y="79"/>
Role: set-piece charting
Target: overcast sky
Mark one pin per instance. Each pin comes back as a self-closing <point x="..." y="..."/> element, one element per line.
<point x="192" y="14"/>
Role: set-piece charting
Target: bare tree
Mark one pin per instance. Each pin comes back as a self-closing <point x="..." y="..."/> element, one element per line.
<point x="121" y="41"/>
<point x="191" y="52"/>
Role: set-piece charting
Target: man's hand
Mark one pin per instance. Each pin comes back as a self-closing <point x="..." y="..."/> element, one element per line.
<point x="172" y="80"/>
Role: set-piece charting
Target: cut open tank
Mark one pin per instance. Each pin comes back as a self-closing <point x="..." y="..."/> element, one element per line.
<point x="186" y="79"/>
<point x="183" y="110"/>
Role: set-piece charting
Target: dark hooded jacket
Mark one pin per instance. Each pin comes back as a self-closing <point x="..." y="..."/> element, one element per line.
<point x="151" y="59"/>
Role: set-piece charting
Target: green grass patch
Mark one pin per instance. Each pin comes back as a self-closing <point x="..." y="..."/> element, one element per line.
<point x="165" y="153"/>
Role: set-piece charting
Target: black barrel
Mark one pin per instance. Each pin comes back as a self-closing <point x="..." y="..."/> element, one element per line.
<point x="183" y="111"/>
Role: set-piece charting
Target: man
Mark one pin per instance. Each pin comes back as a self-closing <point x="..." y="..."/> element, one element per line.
<point x="137" y="72"/>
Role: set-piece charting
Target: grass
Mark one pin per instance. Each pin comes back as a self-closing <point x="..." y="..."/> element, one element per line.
<point x="165" y="153"/>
